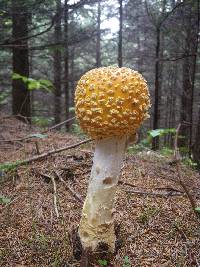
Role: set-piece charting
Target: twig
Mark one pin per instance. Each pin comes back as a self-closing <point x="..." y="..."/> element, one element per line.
<point x="76" y="195"/>
<point x="125" y="183"/>
<point x="180" y="180"/>
<point x="31" y="136"/>
<point x="58" y="125"/>
<point x="55" y="196"/>
<point x="165" y="194"/>
<point x="51" y="152"/>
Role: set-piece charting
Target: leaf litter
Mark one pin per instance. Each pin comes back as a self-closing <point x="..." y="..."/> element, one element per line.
<point x="155" y="231"/>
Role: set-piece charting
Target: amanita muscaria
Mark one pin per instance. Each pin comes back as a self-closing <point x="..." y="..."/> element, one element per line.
<point x="111" y="103"/>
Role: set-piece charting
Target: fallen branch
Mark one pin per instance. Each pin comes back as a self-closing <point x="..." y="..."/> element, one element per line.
<point x="58" y="125"/>
<point x="178" y="168"/>
<point x="47" y="154"/>
<point x="76" y="195"/>
<point x="55" y="196"/>
<point x="125" y="183"/>
<point x="165" y="194"/>
<point x="31" y="136"/>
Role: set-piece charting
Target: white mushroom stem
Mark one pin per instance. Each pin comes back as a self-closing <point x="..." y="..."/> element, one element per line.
<point x="97" y="225"/>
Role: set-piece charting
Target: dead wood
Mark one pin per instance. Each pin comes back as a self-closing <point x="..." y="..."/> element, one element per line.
<point x="76" y="195"/>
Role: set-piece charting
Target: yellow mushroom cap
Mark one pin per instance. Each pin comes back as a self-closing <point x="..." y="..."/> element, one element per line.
<point x="111" y="101"/>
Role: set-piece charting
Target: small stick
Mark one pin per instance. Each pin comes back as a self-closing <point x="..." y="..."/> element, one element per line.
<point x="58" y="125"/>
<point x="55" y="196"/>
<point x="177" y="160"/>
<point x="51" y="152"/>
<point x="125" y="183"/>
<point x="77" y="196"/>
<point x="32" y="136"/>
<point x="165" y="194"/>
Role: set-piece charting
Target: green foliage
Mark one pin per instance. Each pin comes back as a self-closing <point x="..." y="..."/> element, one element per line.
<point x="33" y="84"/>
<point x="135" y="148"/>
<point x="42" y="121"/>
<point x="75" y="129"/>
<point x="166" y="151"/>
<point x="103" y="262"/>
<point x="4" y="200"/>
<point x="147" y="214"/>
<point x="71" y="109"/>
<point x="158" y="132"/>
<point x="197" y="210"/>
<point x="191" y="163"/>
<point x="127" y="262"/>
<point x="3" y="97"/>
<point x="9" y="166"/>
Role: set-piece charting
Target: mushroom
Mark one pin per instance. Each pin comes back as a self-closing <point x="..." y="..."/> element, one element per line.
<point x="111" y="103"/>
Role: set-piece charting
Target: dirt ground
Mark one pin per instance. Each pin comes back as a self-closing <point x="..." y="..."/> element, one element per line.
<point x="157" y="226"/>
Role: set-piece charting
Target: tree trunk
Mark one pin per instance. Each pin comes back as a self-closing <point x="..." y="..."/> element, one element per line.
<point x="66" y="62"/>
<point x="57" y="66"/>
<point x="189" y="70"/>
<point x="20" y="93"/>
<point x="196" y="145"/>
<point x="120" y="55"/>
<point x="98" y="44"/>
<point x="156" y="115"/>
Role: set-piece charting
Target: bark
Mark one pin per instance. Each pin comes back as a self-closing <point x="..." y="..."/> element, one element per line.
<point x="97" y="225"/>
<point x="20" y="94"/>
<point x="98" y="44"/>
<point x="66" y="61"/>
<point x="156" y="116"/>
<point x="196" y="145"/>
<point x="189" y="71"/>
<point x="120" y="54"/>
<point x="57" y="66"/>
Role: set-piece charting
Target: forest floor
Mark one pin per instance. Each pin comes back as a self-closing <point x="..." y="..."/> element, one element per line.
<point x="157" y="225"/>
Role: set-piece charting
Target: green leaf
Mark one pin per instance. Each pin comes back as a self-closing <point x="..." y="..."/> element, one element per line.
<point x="4" y="200"/>
<point x="33" y="84"/>
<point x="16" y="76"/>
<point x="103" y="262"/>
<point x="38" y="135"/>
<point x="9" y="166"/>
<point x="126" y="259"/>
<point x="45" y="82"/>
<point x="156" y="132"/>
<point x="197" y="209"/>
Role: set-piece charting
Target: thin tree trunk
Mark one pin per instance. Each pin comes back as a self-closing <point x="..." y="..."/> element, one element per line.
<point x="66" y="62"/>
<point x="196" y="41"/>
<point x="196" y="146"/>
<point x="20" y="93"/>
<point x="98" y="44"/>
<point x="120" y="54"/>
<point x="189" y="70"/>
<point x="57" y="66"/>
<point x="156" y="116"/>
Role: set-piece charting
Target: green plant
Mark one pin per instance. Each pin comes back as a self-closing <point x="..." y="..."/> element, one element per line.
<point x="127" y="262"/>
<point x="103" y="262"/>
<point x="157" y="132"/>
<point x="75" y="129"/>
<point x="33" y="84"/>
<point x="42" y="121"/>
<point x="9" y="166"/>
<point x="3" y="97"/>
<point x="147" y="214"/>
<point x="189" y="162"/>
<point x="166" y="151"/>
<point x="197" y="210"/>
<point x="4" y="200"/>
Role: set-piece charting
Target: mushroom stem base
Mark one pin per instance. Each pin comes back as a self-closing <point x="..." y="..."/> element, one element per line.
<point x="97" y="224"/>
